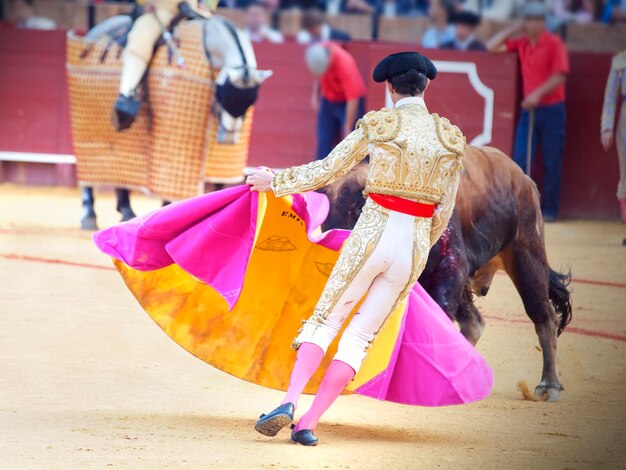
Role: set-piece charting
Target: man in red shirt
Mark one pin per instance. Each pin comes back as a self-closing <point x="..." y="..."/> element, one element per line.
<point x="544" y="64"/>
<point x="342" y="91"/>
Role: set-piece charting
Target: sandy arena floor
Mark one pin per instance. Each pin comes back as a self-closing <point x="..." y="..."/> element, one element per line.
<point x="87" y="380"/>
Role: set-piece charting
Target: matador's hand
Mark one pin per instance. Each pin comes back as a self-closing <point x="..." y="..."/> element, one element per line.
<point x="260" y="180"/>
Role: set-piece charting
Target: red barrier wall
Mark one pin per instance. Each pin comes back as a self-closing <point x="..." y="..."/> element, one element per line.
<point x="34" y="117"/>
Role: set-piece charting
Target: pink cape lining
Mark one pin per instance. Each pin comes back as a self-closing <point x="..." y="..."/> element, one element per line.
<point x="211" y="237"/>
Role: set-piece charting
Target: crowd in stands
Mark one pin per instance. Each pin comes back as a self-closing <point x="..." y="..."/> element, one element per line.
<point x="445" y="16"/>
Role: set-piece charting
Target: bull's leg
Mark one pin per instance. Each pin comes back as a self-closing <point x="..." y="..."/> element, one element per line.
<point x="469" y="318"/>
<point x="528" y="268"/>
<point x="123" y="204"/>
<point x="88" y="221"/>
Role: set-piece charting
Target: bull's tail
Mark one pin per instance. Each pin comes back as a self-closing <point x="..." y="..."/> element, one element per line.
<point x="560" y="297"/>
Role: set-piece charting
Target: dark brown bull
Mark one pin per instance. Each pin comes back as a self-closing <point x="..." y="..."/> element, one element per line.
<point x="497" y="224"/>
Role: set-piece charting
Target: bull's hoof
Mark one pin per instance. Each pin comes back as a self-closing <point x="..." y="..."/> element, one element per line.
<point x="548" y="392"/>
<point x="88" y="223"/>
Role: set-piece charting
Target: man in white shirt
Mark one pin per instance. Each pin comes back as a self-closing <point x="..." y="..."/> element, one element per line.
<point x="24" y="16"/>
<point x="494" y="10"/>
<point x="257" y="24"/>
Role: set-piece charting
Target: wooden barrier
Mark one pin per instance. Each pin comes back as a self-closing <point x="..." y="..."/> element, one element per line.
<point x="237" y="16"/>
<point x="596" y="37"/>
<point x="358" y="26"/>
<point x="402" y="29"/>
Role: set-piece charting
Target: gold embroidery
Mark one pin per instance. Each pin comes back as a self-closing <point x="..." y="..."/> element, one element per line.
<point x="355" y="251"/>
<point x="381" y="126"/>
<point x="450" y="136"/>
<point x="314" y="175"/>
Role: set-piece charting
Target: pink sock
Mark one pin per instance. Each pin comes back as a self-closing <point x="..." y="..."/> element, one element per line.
<point x="335" y="381"/>
<point x="623" y="204"/>
<point x="307" y="361"/>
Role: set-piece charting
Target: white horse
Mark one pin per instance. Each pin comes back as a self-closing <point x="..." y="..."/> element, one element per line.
<point x="227" y="49"/>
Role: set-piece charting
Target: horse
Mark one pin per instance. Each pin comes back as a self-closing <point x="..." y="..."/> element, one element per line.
<point x="227" y="50"/>
<point x="496" y="225"/>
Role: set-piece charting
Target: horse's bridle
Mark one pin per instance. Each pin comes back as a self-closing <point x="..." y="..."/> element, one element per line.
<point x="216" y="107"/>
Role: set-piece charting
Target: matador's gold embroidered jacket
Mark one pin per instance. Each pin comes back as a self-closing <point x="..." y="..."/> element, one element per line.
<point x="413" y="154"/>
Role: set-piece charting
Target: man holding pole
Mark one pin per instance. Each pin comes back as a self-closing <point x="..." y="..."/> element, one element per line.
<point x="544" y="64"/>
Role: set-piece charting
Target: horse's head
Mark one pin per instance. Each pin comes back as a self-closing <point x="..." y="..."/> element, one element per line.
<point x="237" y="89"/>
<point x="230" y="51"/>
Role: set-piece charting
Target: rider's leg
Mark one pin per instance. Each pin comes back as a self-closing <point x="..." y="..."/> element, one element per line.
<point x="138" y="52"/>
<point x="137" y="55"/>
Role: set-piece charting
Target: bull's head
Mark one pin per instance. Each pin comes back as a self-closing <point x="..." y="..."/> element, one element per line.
<point x="237" y="90"/>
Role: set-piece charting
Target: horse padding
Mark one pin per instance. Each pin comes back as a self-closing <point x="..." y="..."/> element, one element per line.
<point x="171" y="148"/>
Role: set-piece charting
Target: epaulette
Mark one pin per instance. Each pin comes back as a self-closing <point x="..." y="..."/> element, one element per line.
<point x="450" y="135"/>
<point x="381" y="126"/>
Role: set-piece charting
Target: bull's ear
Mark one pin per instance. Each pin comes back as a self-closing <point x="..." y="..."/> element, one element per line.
<point x="264" y="75"/>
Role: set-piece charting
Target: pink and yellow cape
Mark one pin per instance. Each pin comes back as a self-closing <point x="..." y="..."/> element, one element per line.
<point x="231" y="275"/>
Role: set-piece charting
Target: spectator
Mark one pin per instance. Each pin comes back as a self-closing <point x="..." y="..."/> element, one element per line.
<point x="258" y="24"/>
<point x="406" y="7"/>
<point x="441" y="30"/>
<point x="315" y="27"/>
<point x="234" y="3"/>
<point x="614" y="11"/>
<point x="572" y="11"/>
<point x="369" y="7"/>
<point x="465" y="24"/>
<point x="342" y="90"/>
<point x="544" y="65"/>
<point x="494" y="10"/>
<point x="614" y="94"/>
<point x="24" y="16"/>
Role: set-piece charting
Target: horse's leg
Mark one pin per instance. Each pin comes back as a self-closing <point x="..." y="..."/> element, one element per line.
<point x="527" y="266"/>
<point x="123" y="204"/>
<point x="88" y="221"/>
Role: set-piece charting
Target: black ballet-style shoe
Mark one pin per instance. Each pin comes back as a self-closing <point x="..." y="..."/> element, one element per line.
<point x="125" y="111"/>
<point x="304" y="437"/>
<point x="271" y="423"/>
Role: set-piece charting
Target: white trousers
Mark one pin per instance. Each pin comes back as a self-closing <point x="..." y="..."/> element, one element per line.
<point x="386" y="276"/>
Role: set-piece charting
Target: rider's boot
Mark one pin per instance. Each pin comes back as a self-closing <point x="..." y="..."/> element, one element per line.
<point x="127" y="105"/>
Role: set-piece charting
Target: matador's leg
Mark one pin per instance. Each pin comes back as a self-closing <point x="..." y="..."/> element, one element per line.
<point x="357" y="266"/>
<point x="407" y="240"/>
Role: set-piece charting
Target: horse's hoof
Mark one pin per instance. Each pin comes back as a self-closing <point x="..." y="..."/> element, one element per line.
<point x="126" y="216"/>
<point x="88" y="223"/>
<point x="551" y="394"/>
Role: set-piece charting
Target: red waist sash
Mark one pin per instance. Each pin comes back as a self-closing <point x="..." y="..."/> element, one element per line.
<point x="398" y="204"/>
